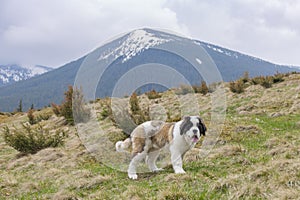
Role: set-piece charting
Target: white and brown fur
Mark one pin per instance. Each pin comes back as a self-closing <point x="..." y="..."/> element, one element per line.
<point x="148" y="138"/>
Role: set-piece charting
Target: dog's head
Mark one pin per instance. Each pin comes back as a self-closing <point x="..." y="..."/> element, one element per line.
<point x="192" y="127"/>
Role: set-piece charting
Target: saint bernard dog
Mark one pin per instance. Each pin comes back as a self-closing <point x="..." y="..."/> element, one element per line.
<point x="148" y="138"/>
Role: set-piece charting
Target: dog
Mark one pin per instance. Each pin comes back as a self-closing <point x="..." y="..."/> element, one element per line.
<point x="149" y="137"/>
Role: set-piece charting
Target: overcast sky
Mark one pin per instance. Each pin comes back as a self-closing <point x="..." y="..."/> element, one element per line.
<point x="54" y="32"/>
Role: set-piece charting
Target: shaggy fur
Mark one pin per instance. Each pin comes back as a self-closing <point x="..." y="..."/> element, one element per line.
<point x="148" y="138"/>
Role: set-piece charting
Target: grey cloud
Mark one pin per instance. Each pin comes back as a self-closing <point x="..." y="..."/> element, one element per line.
<point x="53" y="32"/>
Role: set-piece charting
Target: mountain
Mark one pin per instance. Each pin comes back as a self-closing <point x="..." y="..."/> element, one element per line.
<point x="152" y="49"/>
<point x="13" y="73"/>
<point x="233" y="64"/>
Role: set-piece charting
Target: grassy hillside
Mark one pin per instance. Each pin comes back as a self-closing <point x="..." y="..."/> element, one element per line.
<point x="257" y="156"/>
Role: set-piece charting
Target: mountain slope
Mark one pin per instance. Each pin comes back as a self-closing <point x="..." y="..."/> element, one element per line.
<point x="132" y="49"/>
<point x="13" y="73"/>
<point x="233" y="64"/>
<point x="40" y="90"/>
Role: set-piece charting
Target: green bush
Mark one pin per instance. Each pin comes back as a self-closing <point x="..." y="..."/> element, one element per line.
<point x="245" y="77"/>
<point x="153" y="94"/>
<point x="134" y="104"/>
<point x="106" y="111"/>
<point x="203" y="89"/>
<point x="66" y="106"/>
<point x="30" y="116"/>
<point x="184" y="89"/>
<point x="213" y="87"/>
<point x="266" y="82"/>
<point x="237" y="86"/>
<point x="42" y="117"/>
<point x="34" y="120"/>
<point x="29" y="140"/>
<point x="256" y="80"/>
<point x="73" y="105"/>
<point x="277" y="78"/>
<point x="81" y="112"/>
<point x="56" y="109"/>
<point x="138" y="115"/>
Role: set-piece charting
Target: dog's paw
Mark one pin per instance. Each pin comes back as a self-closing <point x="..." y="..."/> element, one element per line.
<point x="132" y="176"/>
<point x="180" y="171"/>
<point x="158" y="169"/>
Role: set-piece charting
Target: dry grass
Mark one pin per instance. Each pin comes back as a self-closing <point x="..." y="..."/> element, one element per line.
<point x="256" y="156"/>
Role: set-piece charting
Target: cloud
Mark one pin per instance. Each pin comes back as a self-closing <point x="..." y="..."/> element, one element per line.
<point x="53" y="32"/>
<point x="57" y="31"/>
<point x="267" y="29"/>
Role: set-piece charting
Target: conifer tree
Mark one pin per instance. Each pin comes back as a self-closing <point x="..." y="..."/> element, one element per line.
<point x="20" y="107"/>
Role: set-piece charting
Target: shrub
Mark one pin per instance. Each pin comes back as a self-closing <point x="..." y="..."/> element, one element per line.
<point x="73" y="101"/>
<point x="66" y="106"/>
<point x="137" y="114"/>
<point x="30" y="116"/>
<point x="196" y="88"/>
<point x="213" y="87"/>
<point x="153" y="94"/>
<point x="134" y="104"/>
<point x="266" y="82"/>
<point x="256" y="80"/>
<point x="28" y="140"/>
<point x="34" y="120"/>
<point x="42" y="117"/>
<point x="107" y="110"/>
<point x="237" y="86"/>
<point x="277" y="78"/>
<point x="203" y="89"/>
<point x="245" y="77"/>
<point x="80" y="112"/>
<point x="184" y="89"/>
<point x="56" y="109"/>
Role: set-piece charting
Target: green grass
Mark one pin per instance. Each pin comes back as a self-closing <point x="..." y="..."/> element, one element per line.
<point x="241" y="167"/>
<point x="280" y="124"/>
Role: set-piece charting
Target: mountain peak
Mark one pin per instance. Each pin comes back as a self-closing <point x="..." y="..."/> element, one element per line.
<point x="135" y="42"/>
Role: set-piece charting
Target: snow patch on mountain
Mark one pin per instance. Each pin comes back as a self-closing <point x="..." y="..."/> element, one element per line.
<point x="135" y="43"/>
<point x="198" y="61"/>
<point x="228" y="53"/>
<point x="37" y="70"/>
<point x="14" y="73"/>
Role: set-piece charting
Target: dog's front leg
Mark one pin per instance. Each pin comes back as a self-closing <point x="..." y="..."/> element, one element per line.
<point x="176" y="160"/>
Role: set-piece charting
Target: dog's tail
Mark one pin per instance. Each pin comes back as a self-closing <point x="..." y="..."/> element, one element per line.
<point x="123" y="146"/>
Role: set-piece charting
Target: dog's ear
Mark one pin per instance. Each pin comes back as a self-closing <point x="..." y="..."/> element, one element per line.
<point x="201" y="127"/>
<point x="183" y="125"/>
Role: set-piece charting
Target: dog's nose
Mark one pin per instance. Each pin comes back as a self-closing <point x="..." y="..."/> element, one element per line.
<point x="195" y="131"/>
